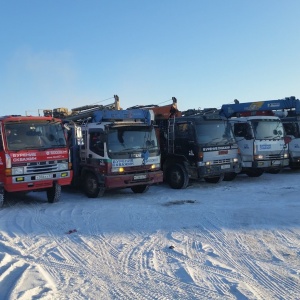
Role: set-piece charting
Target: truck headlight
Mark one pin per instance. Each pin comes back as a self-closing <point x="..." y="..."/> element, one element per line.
<point x="155" y="166"/>
<point x="17" y="171"/>
<point x="258" y="157"/>
<point x="286" y="155"/>
<point x="63" y="166"/>
<point x="117" y="169"/>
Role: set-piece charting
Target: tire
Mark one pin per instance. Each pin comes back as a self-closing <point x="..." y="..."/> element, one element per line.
<point x="215" y="179"/>
<point x="177" y="177"/>
<point x="229" y="176"/>
<point x="53" y="193"/>
<point x="139" y="189"/>
<point x="254" y="172"/>
<point x="91" y="186"/>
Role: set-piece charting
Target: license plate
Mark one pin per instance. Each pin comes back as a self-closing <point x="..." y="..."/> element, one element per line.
<point x="138" y="177"/>
<point x="44" y="176"/>
<point x="275" y="163"/>
<point x="225" y="166"/>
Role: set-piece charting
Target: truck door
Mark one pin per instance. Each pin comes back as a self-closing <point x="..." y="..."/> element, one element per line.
<point x="243" y="135"/>
<point x="185" y="140"/>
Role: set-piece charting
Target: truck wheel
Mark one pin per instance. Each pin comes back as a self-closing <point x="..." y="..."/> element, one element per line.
<point x="139" y="189"/>
<point x="254" y="172"/>
<point x="53" y="193"/>
<point x="215" y="179"/>
<point x="229" y="176"/>
<point x="91" y="186"/>
<point x="177" y="177"/>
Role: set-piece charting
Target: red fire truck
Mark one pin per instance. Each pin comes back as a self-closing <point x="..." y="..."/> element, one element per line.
<point x="34" y="156"/>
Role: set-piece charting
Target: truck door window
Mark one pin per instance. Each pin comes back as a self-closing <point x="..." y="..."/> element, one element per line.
<point x="291" y="129"/>
<point x="242" y="130"/>
<point x="97" y="143"/>
<point x="182" y="130"/>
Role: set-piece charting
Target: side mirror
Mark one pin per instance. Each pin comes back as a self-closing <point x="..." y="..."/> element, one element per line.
<point x="79" y="137"/>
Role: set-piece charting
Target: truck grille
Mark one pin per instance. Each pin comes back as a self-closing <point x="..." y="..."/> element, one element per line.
<point x="221" y="161"/>
<point x="40" y="167"/>
<point x="274" y="156"/>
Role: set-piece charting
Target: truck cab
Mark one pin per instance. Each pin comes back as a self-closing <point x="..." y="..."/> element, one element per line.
<point x="292" y="130"/>
<point x="204" y="146"/>
<point x="195" y="145"/>
<point x="119" y="149"/>
<point x="34" y="156"/>
<point x="261" y="143"/>
<point x="260" y="136"/>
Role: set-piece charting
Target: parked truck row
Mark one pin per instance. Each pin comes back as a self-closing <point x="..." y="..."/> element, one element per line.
<point x="99" y="148"/>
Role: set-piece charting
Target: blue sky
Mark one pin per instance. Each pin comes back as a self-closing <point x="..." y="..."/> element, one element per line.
<point x="64" y="53"/>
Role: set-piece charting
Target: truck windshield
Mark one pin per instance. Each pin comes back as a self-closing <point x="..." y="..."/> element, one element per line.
<point x="124" y="139"/>
<point x="267" y="129"/>
<point x="34" y="135"/>
<point x="214" y="133"/>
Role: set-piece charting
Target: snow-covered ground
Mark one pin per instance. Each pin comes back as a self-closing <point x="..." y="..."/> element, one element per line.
<point x="233" y="240"/>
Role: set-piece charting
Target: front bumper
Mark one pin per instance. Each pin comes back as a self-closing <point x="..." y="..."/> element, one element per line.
<point x="37" y="181"/>
<point x="274" y="164"/>
<point x="128" y="180"/>
<point x="218" y="169"/>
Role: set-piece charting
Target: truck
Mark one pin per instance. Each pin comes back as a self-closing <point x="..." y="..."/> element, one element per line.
<point x="119" y="149"/>
<point x="260" y="136"/>
<point x="34" y="156"/>
<point x="195" y="145"/>
<point x="288" y="110"/>
<point x="289" y="114"/>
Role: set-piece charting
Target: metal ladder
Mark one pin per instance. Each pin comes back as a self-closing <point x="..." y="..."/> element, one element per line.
<point x="171" y="134"/>
<point x="82" y="152"/>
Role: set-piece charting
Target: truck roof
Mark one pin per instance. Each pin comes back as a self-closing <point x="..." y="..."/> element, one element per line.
<point x="250" y="118"/>
<point x="19" y="118"/>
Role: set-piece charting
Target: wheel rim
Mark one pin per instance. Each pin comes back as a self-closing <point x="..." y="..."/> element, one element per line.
<point x="176" y="177"/>
<point x="91" y="184"/>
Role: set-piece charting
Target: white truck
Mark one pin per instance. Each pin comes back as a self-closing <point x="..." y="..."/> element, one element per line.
<point x="260" y="136"/>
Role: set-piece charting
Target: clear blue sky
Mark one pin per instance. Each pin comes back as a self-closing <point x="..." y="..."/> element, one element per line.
<point x="68" y="53"/>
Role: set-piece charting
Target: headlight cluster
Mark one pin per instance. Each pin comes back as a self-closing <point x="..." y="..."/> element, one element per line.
<point x="155" y="166"/>
<point x="258" y="157"/>
<point x="117" y="169"/>
<point x="17" y="171"/>
<point x="62" y="166"/>
<point x="121" y="169"/>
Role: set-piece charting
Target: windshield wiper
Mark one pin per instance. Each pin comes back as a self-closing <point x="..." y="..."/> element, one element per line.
<point x="270" y="137"/>
<point x="213" y="141"/>
<point x="57" y="146"/>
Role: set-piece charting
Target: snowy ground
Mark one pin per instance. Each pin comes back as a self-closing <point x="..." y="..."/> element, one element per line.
<point x="233" y="240"/>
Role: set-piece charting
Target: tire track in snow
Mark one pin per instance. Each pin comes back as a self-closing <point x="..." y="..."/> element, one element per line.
<point x="253" y="275"/>
<point x="139" y="259"/>
<point x="218" y="243"/>
<point x="79" y="259"/>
